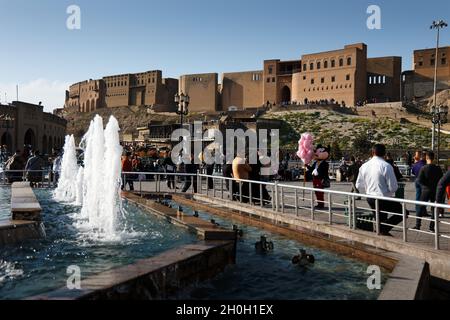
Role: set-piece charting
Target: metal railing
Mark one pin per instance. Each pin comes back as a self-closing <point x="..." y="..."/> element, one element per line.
<point x="339" y="207"/>
<point x="45" y="178"/>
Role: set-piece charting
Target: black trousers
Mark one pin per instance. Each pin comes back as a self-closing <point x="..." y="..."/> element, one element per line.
<point x="128" y="180"/>
<point x="389" y="206"/>
<point x="187" y="184"/>
<point x="425" y="196"/>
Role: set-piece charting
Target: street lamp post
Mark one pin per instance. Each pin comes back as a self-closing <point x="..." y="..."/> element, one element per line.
<point x="438" y="25"/>
<point x="182" y="102"/>
<point x="439" y="116"/>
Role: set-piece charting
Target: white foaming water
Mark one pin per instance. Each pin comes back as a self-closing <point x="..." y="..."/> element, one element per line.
<point x="67" y="187"/>
<point x="96" y="187"/>
<point x="79" y="182"/>
<point x="101" y="205"/>
<point x="8" y="271"/>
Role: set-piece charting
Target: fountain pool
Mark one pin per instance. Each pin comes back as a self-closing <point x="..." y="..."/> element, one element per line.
<point x="38" y="266"/>
<point x="273" y="276"/>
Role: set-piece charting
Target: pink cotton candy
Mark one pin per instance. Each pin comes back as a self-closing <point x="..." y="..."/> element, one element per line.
<point x="305" y="148"/>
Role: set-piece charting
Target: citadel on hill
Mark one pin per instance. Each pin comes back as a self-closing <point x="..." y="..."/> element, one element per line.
<point x="345" y="77"/>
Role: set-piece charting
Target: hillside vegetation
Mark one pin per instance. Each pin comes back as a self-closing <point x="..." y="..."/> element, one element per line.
<point x="342" y="130"/>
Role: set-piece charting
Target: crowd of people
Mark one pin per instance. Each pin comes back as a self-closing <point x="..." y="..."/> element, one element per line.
<point x="30" y="165"/>
<point x="378" y="176"/>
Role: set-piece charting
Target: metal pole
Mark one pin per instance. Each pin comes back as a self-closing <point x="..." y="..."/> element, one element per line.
<point x="312" y="206"/>
<point x="330" y="213"/>
<point x="377" y="216"/>
<point x="405" y="225"/>
<point x="240" y="191"/>
<point x="276" y="196"/>
<point x="435" y="90"/>
<point x="436" y="229"/>
<point x="438" y="144"/>
<point x="261" y="198"/>
<point x="296" y="202"/>
<point x="354" y="212"/>
<point x="282" y="199"/>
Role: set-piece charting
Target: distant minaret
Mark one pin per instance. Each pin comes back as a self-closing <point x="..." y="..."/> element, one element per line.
<point x="17" y="92"/>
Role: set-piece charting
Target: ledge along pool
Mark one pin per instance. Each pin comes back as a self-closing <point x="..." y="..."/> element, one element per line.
<point x="271" y="275"/>
<point x="38" y="266"/>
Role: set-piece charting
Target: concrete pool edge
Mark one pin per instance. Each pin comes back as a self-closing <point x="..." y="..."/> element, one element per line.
<point x="409" y="277"/>
<point x="154" y="278"/>
<point x="25" y="221"/>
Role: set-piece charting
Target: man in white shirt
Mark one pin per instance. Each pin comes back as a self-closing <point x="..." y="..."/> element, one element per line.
<point x="376" y="177"/>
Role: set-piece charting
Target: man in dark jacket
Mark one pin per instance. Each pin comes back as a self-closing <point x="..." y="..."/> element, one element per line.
<point x="34" y="168"/>
<point x="429" y="177"/>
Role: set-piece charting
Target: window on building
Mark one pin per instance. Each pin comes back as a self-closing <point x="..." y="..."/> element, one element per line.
<point x="420" y="63"/>
<point x="443" y="61"/>
<point x="304" y="77"/>
<point x="333" y="63"/>
<point x="311" y="66"/>
<point x="318" y="65"/>
<point x="370" y="80"/>
<point x="347" y="77"/>
<point x="341" y="62"/>
<point x="333" y="79"/>
<point x="270" y="69"/>
<point x="268" y="80"/>
<point x="304" y="67"/>
<point x="273" y="79"/>
<point x="325" y="64"/>
<point x="312" y="81"/>
<point x="432" y="61"/>
<point x="349" y="61"/>
<point x="384" y="79"/>
<point x="322" y="80"/>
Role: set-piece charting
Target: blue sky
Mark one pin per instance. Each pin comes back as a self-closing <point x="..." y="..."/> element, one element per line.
<point x="179" y="37"/>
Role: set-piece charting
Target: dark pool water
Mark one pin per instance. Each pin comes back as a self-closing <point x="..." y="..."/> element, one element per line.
<point x="38" y="266"/>
<point x="273" y="276"/>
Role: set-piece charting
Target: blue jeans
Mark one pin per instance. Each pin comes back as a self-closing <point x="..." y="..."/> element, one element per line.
<point x="418" y="195"/>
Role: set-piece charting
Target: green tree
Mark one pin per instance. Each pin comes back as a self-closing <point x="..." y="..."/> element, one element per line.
<point x="361" y="145"/>
<point x="336" y="152"/>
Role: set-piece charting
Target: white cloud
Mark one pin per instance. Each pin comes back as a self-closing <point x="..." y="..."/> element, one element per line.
<point x="51" y="93"/>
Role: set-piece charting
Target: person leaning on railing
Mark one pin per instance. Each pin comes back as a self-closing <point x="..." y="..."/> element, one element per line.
<point x="14" y="166"/>
<point x="241" y="171"/>
<point x="34" y="168"/>
<point x="377" y="178"/>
